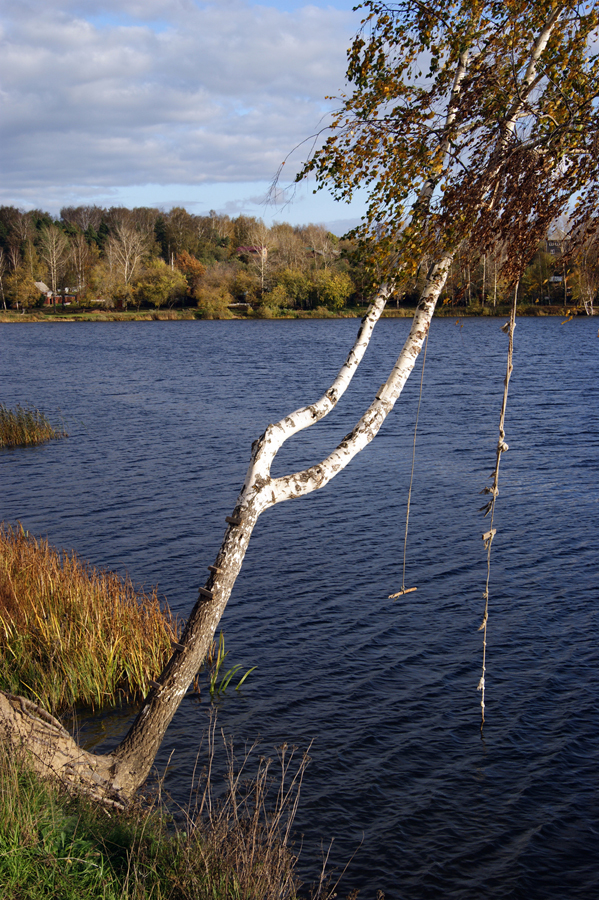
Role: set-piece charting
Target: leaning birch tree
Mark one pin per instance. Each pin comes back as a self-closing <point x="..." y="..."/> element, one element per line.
<point x="465" y="120"/>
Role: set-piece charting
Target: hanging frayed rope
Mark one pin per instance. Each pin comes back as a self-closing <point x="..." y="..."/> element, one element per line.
<point x="489" y="507"/>
<point x="404" y="589"/>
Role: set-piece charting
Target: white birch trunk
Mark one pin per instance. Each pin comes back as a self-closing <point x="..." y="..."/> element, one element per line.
<point x="134" y="757"/>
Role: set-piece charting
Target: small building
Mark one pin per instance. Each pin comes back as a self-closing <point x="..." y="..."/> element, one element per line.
<point x="48" y="296"/>
<point x="556" y="246"/>
<point x="259" y="251"/>
<point x="51" y="299"/>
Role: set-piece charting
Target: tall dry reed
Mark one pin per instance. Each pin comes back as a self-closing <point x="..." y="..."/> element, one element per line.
<point x="72" y="634"/>
<point x="21" y="427"/>
<point x="239" y="843"/>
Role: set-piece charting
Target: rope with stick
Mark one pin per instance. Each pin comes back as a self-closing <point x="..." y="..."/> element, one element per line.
<point x="404" y="589"/>
<point x="489" y="507"/>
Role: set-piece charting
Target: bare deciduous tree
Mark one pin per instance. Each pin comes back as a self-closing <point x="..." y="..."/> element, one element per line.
<point x="125" y="251"/>
<point x="82" y="258"/>
<point x="82" y="217"/>
<point x="54" y="251"/>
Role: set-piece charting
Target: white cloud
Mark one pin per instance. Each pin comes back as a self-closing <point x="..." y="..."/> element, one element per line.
<point x="100" y="97"/>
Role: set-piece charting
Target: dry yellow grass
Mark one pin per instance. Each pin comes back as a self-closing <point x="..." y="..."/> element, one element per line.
<point x="71" y="634"/>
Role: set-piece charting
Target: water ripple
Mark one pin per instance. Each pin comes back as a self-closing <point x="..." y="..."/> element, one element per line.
<point x="161" y="421"/>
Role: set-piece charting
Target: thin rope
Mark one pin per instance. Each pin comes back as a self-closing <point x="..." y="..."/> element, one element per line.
<point x="502" y="447"/>
<point x="404" y="589"/>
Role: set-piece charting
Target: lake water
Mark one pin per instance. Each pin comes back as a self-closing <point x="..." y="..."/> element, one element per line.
<point x="161" y="417"/>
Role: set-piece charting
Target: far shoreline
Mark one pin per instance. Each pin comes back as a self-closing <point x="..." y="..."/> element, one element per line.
<point x="193" y="314"/>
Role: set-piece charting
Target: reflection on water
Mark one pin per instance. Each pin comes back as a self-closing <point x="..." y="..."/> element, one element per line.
<point x="161" y="418"/>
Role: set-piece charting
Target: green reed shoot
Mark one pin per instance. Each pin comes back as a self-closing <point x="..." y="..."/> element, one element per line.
<point x="216" y="665"/>
<point x="22" y="427"/>
<point x="249" y="672"/>
<point x="72" y="634"/>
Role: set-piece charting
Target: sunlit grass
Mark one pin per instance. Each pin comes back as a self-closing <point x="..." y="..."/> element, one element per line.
<point x="72" y="634"/>
<point x="55" y="845"/>
<point x="21" y="427"/>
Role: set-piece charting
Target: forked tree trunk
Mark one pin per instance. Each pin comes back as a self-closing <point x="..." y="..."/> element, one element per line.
<point x="134" y="757"/>
<point x="118" y="776"/>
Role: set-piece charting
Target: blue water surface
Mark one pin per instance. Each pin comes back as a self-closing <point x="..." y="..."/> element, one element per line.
<point x="161" y="417"/>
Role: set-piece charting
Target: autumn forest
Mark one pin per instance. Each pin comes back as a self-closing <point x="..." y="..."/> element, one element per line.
<point x="146" y="258"/>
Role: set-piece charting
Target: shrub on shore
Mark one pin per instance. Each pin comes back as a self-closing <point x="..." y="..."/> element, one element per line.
<point x="72" y="634"/>
<point x="21" y="427"/>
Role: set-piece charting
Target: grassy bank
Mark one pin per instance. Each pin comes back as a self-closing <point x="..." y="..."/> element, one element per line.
<point x="22" y="427"/>
<point x="55" y="845"/>
<point x="179" y="315"/>
<point x="401" y="312"/>
<point x="72" y="634"/>
<point x="104" y="315"/>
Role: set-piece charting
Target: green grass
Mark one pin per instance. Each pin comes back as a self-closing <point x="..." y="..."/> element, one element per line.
<point x="72" y="634"/>
<point x="22" y="427"/>
<point x="54" y="845"/>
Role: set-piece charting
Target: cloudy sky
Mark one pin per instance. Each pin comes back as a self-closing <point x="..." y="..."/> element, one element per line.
<point x="167" y="102"/>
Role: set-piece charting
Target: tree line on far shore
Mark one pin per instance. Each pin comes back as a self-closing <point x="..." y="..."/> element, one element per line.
<point x="149" y="258"/>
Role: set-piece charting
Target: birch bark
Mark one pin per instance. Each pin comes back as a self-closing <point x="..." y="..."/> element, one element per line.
<point x="135" y="755"/>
